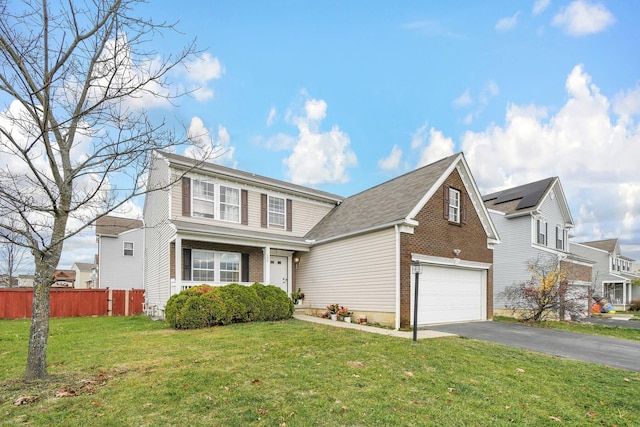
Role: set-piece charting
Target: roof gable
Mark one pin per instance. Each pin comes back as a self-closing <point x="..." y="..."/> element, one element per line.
<point x="396" y="201"/>
<point x="608" y="245"/>
<point x="528" y="198"/>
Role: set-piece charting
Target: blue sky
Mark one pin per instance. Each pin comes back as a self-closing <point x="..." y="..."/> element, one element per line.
<point x="343" y="95"/>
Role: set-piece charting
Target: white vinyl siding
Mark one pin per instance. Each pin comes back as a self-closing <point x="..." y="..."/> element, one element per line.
<point x="118" y="270"/>
<point x="157" y="283"/>
<point x="365" y="265"/>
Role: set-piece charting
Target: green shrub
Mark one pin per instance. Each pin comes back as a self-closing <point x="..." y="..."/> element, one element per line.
<point x="275" y="304"/>
<point x="203" y="306"/>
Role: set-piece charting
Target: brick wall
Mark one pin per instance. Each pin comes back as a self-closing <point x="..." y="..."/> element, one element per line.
<point x="576" y="271"/>
<point x="436" y="236"/>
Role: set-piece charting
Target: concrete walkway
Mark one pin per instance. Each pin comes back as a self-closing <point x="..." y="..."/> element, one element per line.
<point x="422" y="333"/>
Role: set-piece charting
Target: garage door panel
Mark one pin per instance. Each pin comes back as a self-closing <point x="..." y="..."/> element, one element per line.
<point x="450" y="294"/>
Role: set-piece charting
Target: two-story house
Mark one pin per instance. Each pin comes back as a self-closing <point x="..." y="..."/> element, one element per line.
<point x="211" y="224"/>
<point x="534" y="222"/>
<point x="120" y="257"/>
<point x="612" y="272"/>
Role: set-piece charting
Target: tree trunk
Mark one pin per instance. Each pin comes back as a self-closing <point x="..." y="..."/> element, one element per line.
<point x="39" y="332"/>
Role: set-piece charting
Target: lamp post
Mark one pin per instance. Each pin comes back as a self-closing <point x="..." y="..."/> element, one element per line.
<point x="416" y="268"/>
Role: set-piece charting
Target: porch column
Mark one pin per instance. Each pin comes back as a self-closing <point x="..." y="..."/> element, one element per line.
<point x="266" y="276"/>
<point x="178" y="266"/>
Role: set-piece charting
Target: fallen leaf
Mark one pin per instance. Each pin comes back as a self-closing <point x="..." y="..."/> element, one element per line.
<point x="23" y="400"/>
<point x="507" y="407"/>
<point x="96" y="404"/>
<point x="262" y="411"/>
<point x="356" y="376"/>
<point x="409" y="374"/>
<point x="520" y="370"/>
<point x="626" y="380"/>
<point x="255" y="381"/>
<point x="450" y="389"/>
<point x="209" y="398"/>
<point x="185" y="385"/>
<point x="592" y="414"/>
<point x="65" y="393"/>
<point x="555" y="419"/>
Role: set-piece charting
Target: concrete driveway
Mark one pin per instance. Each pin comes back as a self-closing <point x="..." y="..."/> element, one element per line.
<point x="614" y="352"/>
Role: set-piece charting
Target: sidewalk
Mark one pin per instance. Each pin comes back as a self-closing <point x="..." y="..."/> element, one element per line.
<point x="422" y="333"/>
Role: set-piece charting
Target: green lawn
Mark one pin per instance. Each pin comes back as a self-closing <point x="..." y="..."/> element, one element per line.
<point x="133" y="371"/>
<point x="584" y="328"/>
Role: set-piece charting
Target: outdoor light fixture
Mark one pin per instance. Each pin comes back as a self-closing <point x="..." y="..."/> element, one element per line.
<point x="457" y="252"/>
<point x="416" y="269"/>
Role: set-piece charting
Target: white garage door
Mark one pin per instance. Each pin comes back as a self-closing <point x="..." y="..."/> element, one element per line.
<point x="449" y="294"/>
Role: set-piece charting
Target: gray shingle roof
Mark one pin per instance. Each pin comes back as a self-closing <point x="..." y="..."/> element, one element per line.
<point x="237" y="174"/>
<point x="518" y="199"/>
<point x="608" y="245"/>
<point x="386" y="203"/>
<point x="112" y="225"/>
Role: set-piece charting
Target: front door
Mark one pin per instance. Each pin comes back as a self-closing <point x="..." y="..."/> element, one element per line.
<point x="280" y="272"/>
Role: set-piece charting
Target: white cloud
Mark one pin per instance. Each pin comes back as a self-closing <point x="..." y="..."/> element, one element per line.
<point x="507" y="23"/>
<point x="393" y="160"/>
<point x="419" y="137"/>
<point x="627" y="104"/>
<point x="540" y="6"/>
<point x="281" y="141"/>
<point x="581" y="18"/>
<point x="463" y="100"/>
<point x="272" y="117"/>
<point x="200" y="71"/>
<point x="438" y="147"/>
<point x="594" y="155"/>
<point x="318" y="157"/>
<point x="204" y="146"/>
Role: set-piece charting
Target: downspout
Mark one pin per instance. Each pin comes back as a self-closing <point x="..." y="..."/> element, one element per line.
<point x="398" y="270"/>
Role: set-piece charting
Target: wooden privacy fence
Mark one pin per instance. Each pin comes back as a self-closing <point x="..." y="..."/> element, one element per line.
<point x="16" y="303"/>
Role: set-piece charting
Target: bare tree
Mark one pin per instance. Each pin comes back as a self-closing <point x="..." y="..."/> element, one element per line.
<point x="548" y="294"/>
<point x="13" y="255"/>
<point x="75" y="138"/>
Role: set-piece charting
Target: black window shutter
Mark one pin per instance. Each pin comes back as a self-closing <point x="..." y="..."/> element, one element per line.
<point x="244" y="207"/>
<point x="186" y="264"/>
<point x="263" y="210"/>
<point x="546" y="233"/>
<point x="289" y="214"/>
<point x="186" y="196"/>
<point x="463" y="207"/>
<point x="445" y="202"/>
<point x="245" y="268"/>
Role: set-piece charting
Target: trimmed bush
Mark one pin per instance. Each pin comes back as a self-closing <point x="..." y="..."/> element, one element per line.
<point x="275" y="304"/>
<point x="203" y="306"/>
<point x="635" y="305"/>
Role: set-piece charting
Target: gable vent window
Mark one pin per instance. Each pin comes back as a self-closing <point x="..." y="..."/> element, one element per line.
<point x="454" y="205"/>
<point x="127" y="248"/>
<point x="541" y="231"/>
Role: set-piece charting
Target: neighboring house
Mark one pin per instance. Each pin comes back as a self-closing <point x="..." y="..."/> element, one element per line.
<point x="218" y="225"/>
<point x="612" y="272"/>
<point x="120" y="253"/>
<point x="83" y="271"/>
<point x="5" y="282"/>
<point x="25" y="280"/>
<point x="533" y="221"/>
<point x="64" y="278"/>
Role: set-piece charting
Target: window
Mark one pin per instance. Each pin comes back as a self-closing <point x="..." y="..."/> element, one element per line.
<point x="454" y="205"/>
<point x="203" y="265"/>
<point x="212" y="266"/>
<point x="541" y="232"/>
<point x="561" y="238"/>
<point x="229" y="267"/>
<point x="203" y="199"/>
<point x="276" y="212"/>
<point x="229" y="204"/>
<point x="127" y="248"/>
